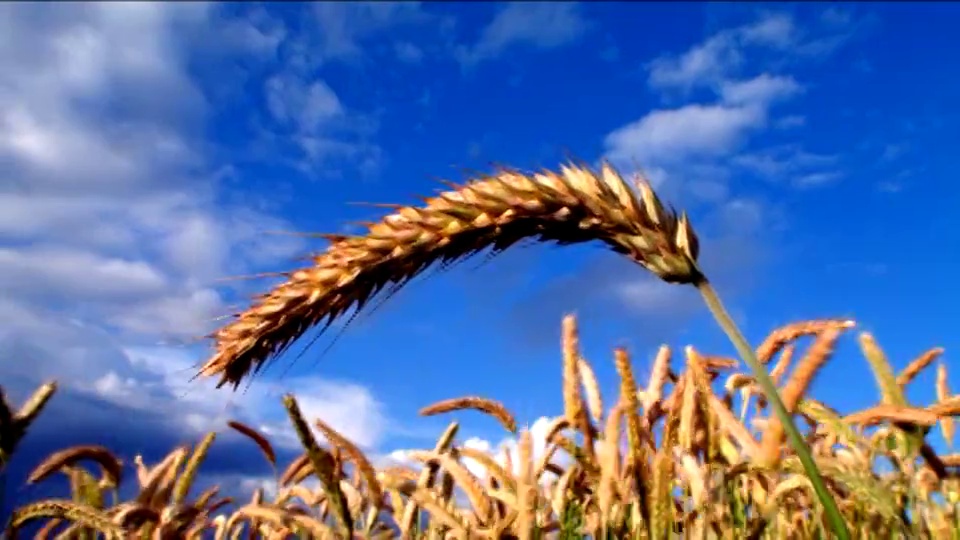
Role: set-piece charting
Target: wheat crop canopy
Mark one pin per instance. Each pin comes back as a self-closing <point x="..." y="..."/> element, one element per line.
<point x="575" y="205"/>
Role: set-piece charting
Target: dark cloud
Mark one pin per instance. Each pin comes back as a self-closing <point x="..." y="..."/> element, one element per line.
<point x="76" y="418"/>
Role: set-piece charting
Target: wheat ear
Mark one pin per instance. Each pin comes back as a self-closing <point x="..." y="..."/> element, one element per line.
<point x="577" y="204"/>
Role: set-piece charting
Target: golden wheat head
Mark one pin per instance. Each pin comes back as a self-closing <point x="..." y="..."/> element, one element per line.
<point x="577" y="204"/>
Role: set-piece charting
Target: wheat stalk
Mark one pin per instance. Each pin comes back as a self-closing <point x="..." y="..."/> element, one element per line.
<point x="13" y="425"/>
<point x="323" y="463"/>
<point x="576" y="205"/>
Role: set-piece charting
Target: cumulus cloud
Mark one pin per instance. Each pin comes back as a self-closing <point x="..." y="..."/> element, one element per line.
<point x="114" y="224"/>
<point x="309" y="122"/>
<point x="305" y="106"/>
<point x="790" y="163"/>
<point x="689" y="141"/>
<point x="817" y="179"/>
<point x="691" y="152"/>
<point x="537" y="25"/>
<point x="672" y="135"/>
<point x="762" y="89"/>
<point x="708" y="61"/>
<point x="725" y="54"/>
<point x="284" y="110"/>
<point x="308" y="113"/>
<point x="345" y="25"/>
<point x="695" y="131"/>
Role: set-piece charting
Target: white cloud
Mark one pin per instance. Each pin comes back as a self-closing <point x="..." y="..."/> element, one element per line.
<point x="688" y="142"/>
<point x="540" y="25"/>
<point x="673" y="135"/>
<point x="693" y="150"/>
<point x="184" y="314"/>
<point x="778" y="159"/>
<point x="723" y="55"/>
<point x="649" y="295"/>
<point x="57" y="273"/>
<point x="668" y="138"/>
<point x="741" y="216"/>
<point x="115" y="224"/>
<point x="304" y="105"/>
<point x="349" y="408"/>
<point x="257" y="34"/>
<point x="707" y="62"/>
<point x="763" y="89"/>
<point x="309" y="114"/>
<point x="816" y="179"/>
<point x="313" y="125"/>
<point x="790" y="163"/>
<point x="773" y="30"/>
<point x="343" y="26"/>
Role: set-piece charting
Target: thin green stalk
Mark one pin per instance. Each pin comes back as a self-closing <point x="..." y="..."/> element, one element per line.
<point x="766" y="383"/>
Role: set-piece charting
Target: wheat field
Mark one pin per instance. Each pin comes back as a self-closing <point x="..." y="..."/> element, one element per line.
<point x="702" y="449"/>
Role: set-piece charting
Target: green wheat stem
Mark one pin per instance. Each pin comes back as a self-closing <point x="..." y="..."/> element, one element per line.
<point x="766" y="383"/>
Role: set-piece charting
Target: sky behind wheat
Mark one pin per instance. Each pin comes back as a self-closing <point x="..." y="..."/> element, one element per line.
<point x="149" y="150"/>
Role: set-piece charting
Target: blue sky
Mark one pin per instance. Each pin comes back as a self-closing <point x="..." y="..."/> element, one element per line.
<point x="149" y="150"/>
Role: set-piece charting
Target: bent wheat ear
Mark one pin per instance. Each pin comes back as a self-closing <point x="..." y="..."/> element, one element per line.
<point x="575" y="205"/>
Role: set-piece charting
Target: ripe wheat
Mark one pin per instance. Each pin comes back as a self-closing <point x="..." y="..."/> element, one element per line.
<point x="575" y="205"/>
<point x="684" y="466"/>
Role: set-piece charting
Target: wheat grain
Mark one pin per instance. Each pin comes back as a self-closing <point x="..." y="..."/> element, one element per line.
<point x="110" y="465"/>
<point x="293" y="473"/>
<point x="63" y="510"/>
<point x="786" y="356"/>
<point x="917" y="365"/>
<point x="257" y="438"/>
<point x="573" y="403"/>
<point x="943" y="394"/>
<point x="492" y="407"/>
<point x="556" y="426"/>
<point x="792" y="332"/>
<point x="658" y="377"/>
<point x="185" y="480"/>
<point x="947" y="407"/>
<point x="464" y="478"/>
<point x="570" y="346"/>
<point x="890" y="391"/>
<point x="637" y="438"/>
<point x="892" y="413"/>
<point x="591" y="388"/>
<point x="796" y="387"/>
<point x="526" y="488"/>
<point x="426" y="479"/>
<point x="359" y="460"/>
<point x="160" y="480"/>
